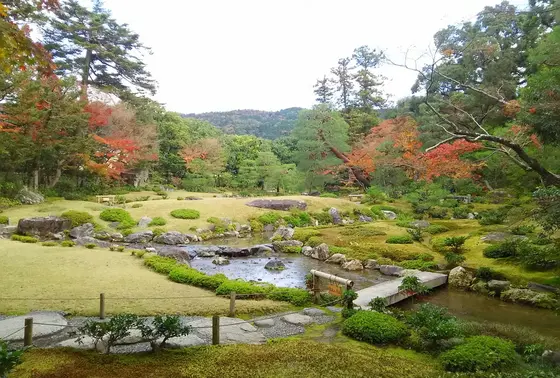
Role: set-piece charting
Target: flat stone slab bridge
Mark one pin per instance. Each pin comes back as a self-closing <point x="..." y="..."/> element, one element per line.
<point x="389" y="290"/>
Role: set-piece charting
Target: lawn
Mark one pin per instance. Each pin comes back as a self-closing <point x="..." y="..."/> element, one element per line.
<point x="34" y="271"/>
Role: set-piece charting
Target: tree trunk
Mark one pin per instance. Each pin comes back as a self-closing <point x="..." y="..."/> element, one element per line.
<point x="35" y="182"/>
<point x="56" y="177"/>
<point x="85" y="74"/>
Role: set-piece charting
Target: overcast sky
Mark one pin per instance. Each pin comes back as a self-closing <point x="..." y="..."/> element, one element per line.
<point x="216" y="55"/>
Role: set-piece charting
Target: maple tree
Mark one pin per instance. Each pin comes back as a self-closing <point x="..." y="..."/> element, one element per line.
<point x="204" y="156"/>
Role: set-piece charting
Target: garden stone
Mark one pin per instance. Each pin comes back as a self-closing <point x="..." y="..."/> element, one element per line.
<point x="117" y="237"/>
<point x="530" y="297"/>
<point x="235" y="252"/>
<point x="244" y="228"/>
<point x="268" y="228"/>
<point x="390" y="270"/>
<point x="419" y="224"/>
<point x="307" y="250"/>
<point x="334" y="309"/>
<point x="82" y="231"/>
<point x="460" y="278"/>
<point x="265" y="323"/>
<point x="283" y="233"/>
<point x="275" y="265"/>
<point x="7" y="231"/>
<point x="277" y="204"/>
<point x="171" y="238"/>
<point x="279" y="246"/>
<point x="139" y="237"/>
<point x="192" y="237"/>
<point x="183" y="341"/>
<point x="9" y="326"/>
<point x="231" y="234"/>
<point x="28" y="197"/>
<point x="337" y="258"/>
<point x="498" y="237"/>
<point x="552" y="356"/>
<point x="220" y="261"/>
<point x="353" y="265"/>
<point x="144" y="222"/>
<point x="206" y="253"/>
<point x="134" y="337"/>
<point x="347" y="221"/>
<point x="480" y="287"/>
<point x="372" y="264"/>
<point x="58" y="236"/>
<point x="102" y="235"/>
<point x="298" y="319"/>
<point x="43" y="226"/>
<point x="321" y="252"/>
<point x="335" y="216"/>
<point x="151" y="250"/>
<point x="540" y="287"/>
<point x="311" y="311"/>
<point x="176" y="253"/>
<point x="471" y="216"/>
<point x="232" y="331"/>
<point x="364" y="218"/>
<point x="89" y="240"/>
<point x="390" y="215"/>
<point x="498" y="286"/>
<point x="261" y="249"/>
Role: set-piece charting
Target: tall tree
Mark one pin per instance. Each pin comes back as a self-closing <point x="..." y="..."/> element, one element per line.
<point x="96" y="47"/>
<point x="323" y="90"/>
<point x="368" y="96"/>
<point x="343" y="79"/>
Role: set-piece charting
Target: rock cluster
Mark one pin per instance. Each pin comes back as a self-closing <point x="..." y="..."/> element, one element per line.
<point x="278" y="204"/>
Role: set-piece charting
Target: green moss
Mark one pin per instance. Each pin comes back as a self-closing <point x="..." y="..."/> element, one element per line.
<point x="314" y="241"/>
<point x="256" y="226"/>
<point x="185" y="214"/>
<point x="269" y="218"/>
<point x="293" y="249"/>
<point x="303" y="234"/>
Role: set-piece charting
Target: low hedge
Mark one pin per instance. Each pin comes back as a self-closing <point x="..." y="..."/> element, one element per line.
<point x="399" y="239"/>
<point x="435" y="229"/>
<point x="239" y="287"/>
<point x="186" y="275"/>
<point x="269" y="218"/>
<point x="292" y="249"/>
<point x="479" y="353"/>
<point x="374" y="328"/>
<point x="297" y="297"/>
<point x="78" y="217"/>
<point x="185" y="214"/>
<point x="161" y="264"/>
<point x="24" y="238"/>
<point x="49" y="244"/>
<point x="67" y="243"/>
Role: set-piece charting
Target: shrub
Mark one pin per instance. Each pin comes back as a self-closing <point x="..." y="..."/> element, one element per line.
<point x="314" y="241"/>
<point x="90" y="245"/>
<point x="403" y="220"/>
<point x="438" y="212"/>
<point x="378" y="304"/>
<point x="435" y="229"/>
<point x="77" y="217"/>
<point x="362" y="232"/>
<point x="24" y="238"/>
<point x="328" y="195"/>
<point x="412" y="285"/>
<point x="485" y="273"/>
<point x="323" y="218"/>
<point x="161" y="264"/>
<point x="303" y="234"/>
<point x="127" y="231"/>
<point x="479" y="353"/>
<point x="291" y="249"/>
<point x="183" y="274"/>
<point x="374" y="328"/>
<point x="455" y="243"/>
<point x="523" y="229"/>
<point x="120" y="248"/>
<point x="461" y="212"/>
<point x="454" y="259"/>
<point x="67" y="243"/>
<point x="399" y="254"/>
<point x="507" y="248"/>
<point x="4" y="219"/>
<point x="138" y="253"/>
<point x="348" y="312"/>
<point x="490" y="217"/>
<point x="297" y="297"/>
<point x="240" y="287"/>
<point x="49" y="244"/>
<point x="180" y="198"/>
<point x="9" y="358"/>
<point x="256" y="226"/>
<point x="419" y="264"/>
<point x="298" y="218"/>
<point x="415" y="233"/>
<point x="269" y="218"/>
<point x="162" y="329"/>
<point x="158" y="231"/>
<point x="118" y="215"/>
<point x="136" y="205"/>
<point x="375" y="195"/>
<point x="157" y="221"/>
<point x="433" y="323"/>
<point x="400" y="239"/>
<point x="6" y="203"/>
<point x="117" y="328"/>
<point x="539" y="257"/>
<point x="185" y="214"/>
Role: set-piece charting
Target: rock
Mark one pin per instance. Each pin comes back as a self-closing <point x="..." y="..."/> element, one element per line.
<point x="134" y="337"/>
<point x="311" y="311"/>
<point x="220" y="261"/>
<point x="43" y="226"/>
<point x="27" y="197"/>
<point x="364" y="218"/>
<point x="232" y="331"/>
<point x="337" y="258"/>
<point x="117" y="237"/>
<point x="268" y="228"/>
<point x="497" y="237"/>
<point x="335" y="216"/>
<point x="371" y="264"/>
<point x="460" y="278"/>
<point x="9" y="326"/>
<point x="82" y="231"/>
<point x="283" y="233"/>
<point x="279" y="246"/>
<point x="297" y="319"/>
<point x="277" y="204"/>
<point x="102" y="235"/>
<point x="334" y="309"/>
<point x="139" y="237"/>
<point x="552" y="357"/>
<point x="540" y="287"/>
<point x="530" y="297"/>
<point x="347" y="221"/>
<point x="419" y="224"/>
<point x="265" y="323"/>
<point x="390" y="215"/>
<point x="206" y="253"/>
<point x="193" y="199"/>
<point x="321" y="252"/>
<point x="89" y="240"/>
<point x="150" y="250"/>
<point x="171" y="238"/>
<point x="7" y="231"/>
<point x="192" y="237"/>
<point x="231" y="234"/>
<point x="58" y="236"/>
<point x="275" y="265"/>
<point x="307" y="250"/>
<point x="144" y="222"/>
<point x="234" y="252"/>
<point x="183" y="341"/>
<point x="181" y="255"/>
<point x="480" y="287"/>
<point x="498" y="286"/>
<point x="261" y="249"/>
<point x="390" y="270"/>
<point x="353" y="265"/>
<point x="245" y="229"/>
<point x="471" y="216"/>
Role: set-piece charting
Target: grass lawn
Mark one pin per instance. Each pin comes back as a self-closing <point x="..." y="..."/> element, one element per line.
<point x="34" y="271"/>
<point x="280" y="358"/>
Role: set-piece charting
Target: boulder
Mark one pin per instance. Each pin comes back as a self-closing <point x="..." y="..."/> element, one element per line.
<point x="58" y="236"/>
<point x="220" y="261"/>
<point x="176" y="253"/>
<point x="337" y="258"/>
<point x="530" y="297"/>
<point x="390" y="270"/>
<point x="134" y="337"/>
<point x="234" y="252"/>
<point x="245" y="229"/>
<point x="193" y="199"/>
<point x="151" y="250"/>
<point x="419" y="224"/>
<point x="207" y="252"/>
<point x="480" y="287"/>
<point x="498" y="286"/>
<point x="268" y="228"/>
<point x="390" y="215"/>
<point x="279" y="246"/>
<point x="307" y="250"/>
<point x="183" y="341"/>
<point x="498" y="237"/>
<point x="139" y="237"/>
<point x="371" y="264"/>
<point x="90" y="240"/>
<point x="353" y="265"/>
<point x="283" y="233"/>
<point x="7" y="231"/>
<point x="552" y="357"/>
<point x="28" y="197"/>
<point x="117" y="237"/>
<point x="471" y="216"/>
<point x="265" y="323"/>
<point x="275" y="265"/>
<point x="297" y="319"/>
<point x="321" y="252"/>
<point x="192" y="237"/>
<point x="171" y="238"/>
<point x="261" y="249"/>
<point x="144" y="222"/>
<point x="364" y="218"/>
<point x="231" y="234"/>
<point x="277" y="204"/>
<point x="460" y="278"/>
<point x="540" y="287"/>
<point x="335" y="216"/>
<point x="43" y="226"/>
<point x="102" y="235"/>
<point x="312" y="311"/>
<point x="82" y="231"/>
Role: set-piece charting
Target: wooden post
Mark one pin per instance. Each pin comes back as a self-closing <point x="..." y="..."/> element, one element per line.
<point x="316" y="289"/>
<point x="28" y="332"/>
<point x="102" y="306"/>
<point x="215" y="330"/>
<point x="232" y="304"/>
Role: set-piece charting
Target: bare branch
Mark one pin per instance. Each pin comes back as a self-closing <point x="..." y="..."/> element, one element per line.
<point x="473" y="88"/>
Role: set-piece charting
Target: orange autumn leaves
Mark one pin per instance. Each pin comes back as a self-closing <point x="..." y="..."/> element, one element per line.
<point x="395" y="142"/>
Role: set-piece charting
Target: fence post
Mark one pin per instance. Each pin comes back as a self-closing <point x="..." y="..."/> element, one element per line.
<point x="28" y="332"/>
<point x="215" y="330"/>
<point x="316" y="289"/>
<point x="232" y="304"/>
<point x="102" y="306"/>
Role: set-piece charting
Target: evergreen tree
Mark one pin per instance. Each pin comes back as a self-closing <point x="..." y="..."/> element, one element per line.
<point x="343" y="79"/>
<point x="323" y="90"/>
<point x="368" y="96"/>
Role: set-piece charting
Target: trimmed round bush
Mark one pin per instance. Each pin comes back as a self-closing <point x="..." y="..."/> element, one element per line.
<point x="435" y="229"/>
<point x="78" y="217"/>
<point x="4" y="219"/>
<point x="507" y="248"/>
<point x="90" y="246"/>
<point x="479" y="353"/>
<point x="374" y="328"/>
<point x="269" y="218"/>
<point x="136" y="205"/>
<point x="118" y="215"/>
<point x="240" y="287"/>
<point x="67" y="243"/>
<point x="185" y="214"/>
<point x="183" y="274"/>
<point x="49" y="244"/>
<point x="157" y="221"/>
<point x="400" y="239"/>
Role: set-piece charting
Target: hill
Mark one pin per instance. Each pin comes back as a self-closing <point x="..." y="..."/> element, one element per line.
<point x="269" y="125"/>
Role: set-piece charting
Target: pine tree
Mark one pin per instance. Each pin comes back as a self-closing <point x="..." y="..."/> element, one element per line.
<point x="343" y="74"/>
<point x="323" y="90"/>
<point x="369" y="96"/>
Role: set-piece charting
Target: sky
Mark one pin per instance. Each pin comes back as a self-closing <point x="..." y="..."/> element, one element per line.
<point x="219" y="55"/>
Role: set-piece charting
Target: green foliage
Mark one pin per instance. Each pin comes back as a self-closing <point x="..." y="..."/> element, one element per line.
<point x="461" y="212"/>
<point x="118" y="215"/>
<point x="348" y="297"/>
<point x="419" y="264"/>
<point x="490" y="217"/>
<point x="24" y="238"/>
<point x="548" y="214"/>
<point x="507" y="248"/>
<point x="403" y="220"/>
<point x="378" y="304"/>
<point x="78" y="217"/>
<point x="400" y="239"/>
<point x="180" y="198"/>
<point x="455" y="244"/>
<point x="454" y="259"/>
<point x="117" y="328"/>
<point x="4" y="219"/>
<point x="437" y="212"/>
<point x="328" y="195"/>
<point x="314" y="241"/>
<point x="303" y="234"/>
<point x="298" y="218"/>
<point x="90" y="245"/>
<point x="269" y="218"/>
<point x="162" y="329"/>
<point x="185" y="214"/>
<point x="539" y="257"/>
<point x="523" y="229"/>
<point x="157" y="221"/>
<point x="9" y="358"/>
<point x="485" y="273"/>
<point x="240" y="287"/>
<point x="323" y="218"/>
<point x="399" y="254"/>
<point x="375" y="195"/>
<point x="412" y="285"/>
<point x="348" y="312"/>
<point x="297" y="297"/>
<point x="479" y="353"/>
<point x="256" y="226"/>
<point x="186" y="275"/>
<point x="291" y="249"/>
<point x="433" y="323"/>
<point x="362" y="232"/>
<point x="158" y="231"/>
<point x="136" y="205"/>
<point x="127" y="231"/>
<point x="161" y="264"/>
<point x="435" y="229"/>
<point x="49" y="244"/>
<point x="138" y="253"/>
<point x="67" y="243"/>
<point x="374" y="328"/>
<point x="342" y="250"/>
<point x="6" y="203"/>
<point x="415" y="233"/>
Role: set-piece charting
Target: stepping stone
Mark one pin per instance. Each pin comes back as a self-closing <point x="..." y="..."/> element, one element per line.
<point x="334" y="309"/>
<point x="311" y="311"/>
<point x="183" y="341"/>
<point x="232" y="331"/>
<point x="87" y="343"/>
<point x="265" y="323"/>
<point x="298" y="319"/>
<point x="10" y="325"/>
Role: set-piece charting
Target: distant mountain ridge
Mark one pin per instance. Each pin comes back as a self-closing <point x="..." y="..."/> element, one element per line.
<point x="269" y="125"/>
